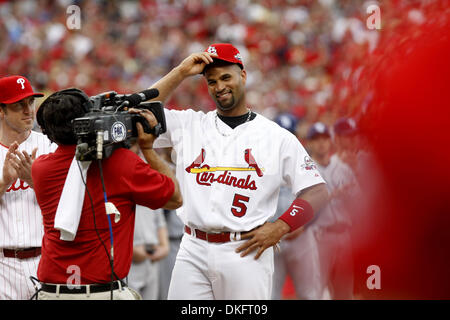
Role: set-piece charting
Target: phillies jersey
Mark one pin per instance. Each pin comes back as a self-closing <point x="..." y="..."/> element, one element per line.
<point x="230" y="178"/>
<point x="20" y="215"/>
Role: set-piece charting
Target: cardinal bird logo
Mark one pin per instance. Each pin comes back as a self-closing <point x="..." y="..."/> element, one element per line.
<point x="197" y="162"/>
<point x="207" y="175"/>
<point x="197" y="167"/>
<point x="251" y="162"/>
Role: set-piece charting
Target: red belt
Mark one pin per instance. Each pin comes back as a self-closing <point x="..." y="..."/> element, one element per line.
<point x="212" y="237"/>
<point x="25" y="253"/>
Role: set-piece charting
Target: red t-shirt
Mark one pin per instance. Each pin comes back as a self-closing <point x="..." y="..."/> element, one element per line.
<point x="128" y="181"/>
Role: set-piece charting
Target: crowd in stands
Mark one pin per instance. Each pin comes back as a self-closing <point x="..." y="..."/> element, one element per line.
<point x="315" y="60"/>
<point x="304" y="57"/>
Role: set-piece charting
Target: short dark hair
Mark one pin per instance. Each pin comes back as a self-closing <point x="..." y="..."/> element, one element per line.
<point x="57" y="114"/>
<point x="219" y="63"/>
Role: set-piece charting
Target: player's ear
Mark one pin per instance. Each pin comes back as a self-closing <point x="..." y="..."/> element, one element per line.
<point x="2" y="110"/>
<point x="243" y="76"/>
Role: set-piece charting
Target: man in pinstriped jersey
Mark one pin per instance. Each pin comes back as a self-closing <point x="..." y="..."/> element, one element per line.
<point x="21" y="227"/>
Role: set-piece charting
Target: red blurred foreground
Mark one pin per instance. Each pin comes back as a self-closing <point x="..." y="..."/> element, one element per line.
<point x="408" y="233"/>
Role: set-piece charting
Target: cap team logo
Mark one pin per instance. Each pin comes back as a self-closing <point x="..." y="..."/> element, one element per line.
<point x="206" y="174"/>
<point x="21" y="81"/>
<point x="212" y="50"/>
<point x="118" y="131"/>
<point x="238" y="56"/>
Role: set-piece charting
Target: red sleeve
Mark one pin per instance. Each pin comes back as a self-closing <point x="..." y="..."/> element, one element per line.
<point x="150" y="188"/>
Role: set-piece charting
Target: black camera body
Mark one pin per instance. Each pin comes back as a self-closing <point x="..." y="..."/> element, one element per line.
<point x="107" y="126"/>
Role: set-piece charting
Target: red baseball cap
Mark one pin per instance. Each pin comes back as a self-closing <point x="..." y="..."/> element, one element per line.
<point x="16" y="88"/>
<point x="345" y="127"/>
<point x="226" y="52"/>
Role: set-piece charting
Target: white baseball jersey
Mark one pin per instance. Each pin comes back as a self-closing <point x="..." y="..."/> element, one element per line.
<point x="337" y="175"/>
<point x="230" y="178"/>
<point x="311" y="257"/>
<point x="20" y="218"/>
<point x="20" y="226"/>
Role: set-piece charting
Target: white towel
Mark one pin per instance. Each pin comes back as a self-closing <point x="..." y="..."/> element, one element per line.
<point x="70" y="204"/>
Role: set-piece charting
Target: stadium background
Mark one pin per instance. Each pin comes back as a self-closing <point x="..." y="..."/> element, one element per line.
<point x="314" y="59"/>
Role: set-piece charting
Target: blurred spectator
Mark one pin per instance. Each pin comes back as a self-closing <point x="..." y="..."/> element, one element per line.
<point x="331" y="225"/>
<point x="345" y="138"/>
<point x="175" y="229"/>
<point x="287" y="121"/>
<point x="297" y="258"/>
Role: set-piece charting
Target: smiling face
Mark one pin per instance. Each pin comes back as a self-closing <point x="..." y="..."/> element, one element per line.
<point x="226" y="85"/>
<point x="18" y="116"/>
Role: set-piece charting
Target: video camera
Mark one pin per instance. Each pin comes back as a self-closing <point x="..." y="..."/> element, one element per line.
<point x="108" y="126"/>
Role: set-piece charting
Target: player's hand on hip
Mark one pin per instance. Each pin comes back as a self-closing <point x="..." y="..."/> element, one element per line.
<point x="145" y="140"/>
<point x="195" y="63"/>
<point x="263" y="237"/>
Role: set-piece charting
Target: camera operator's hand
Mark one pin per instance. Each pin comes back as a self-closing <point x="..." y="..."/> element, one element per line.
<point x="145" y="140"/>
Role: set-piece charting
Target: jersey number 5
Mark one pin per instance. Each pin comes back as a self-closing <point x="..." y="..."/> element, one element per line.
<point x="239" y="208"/>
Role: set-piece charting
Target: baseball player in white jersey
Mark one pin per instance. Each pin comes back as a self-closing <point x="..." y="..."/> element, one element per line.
<point x="298" y="256"/>
<point x="331" y="226"/>
<point x="230" y="164"/>
<point x="150" y="245"/>
<point x="21" y="227"/>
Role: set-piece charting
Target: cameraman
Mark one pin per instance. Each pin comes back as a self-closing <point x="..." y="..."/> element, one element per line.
<point x="82" y="268"/>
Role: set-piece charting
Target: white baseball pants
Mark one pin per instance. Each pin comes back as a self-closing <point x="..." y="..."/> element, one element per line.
<point x="15" y="283"/>
<point x="214" y="271"/>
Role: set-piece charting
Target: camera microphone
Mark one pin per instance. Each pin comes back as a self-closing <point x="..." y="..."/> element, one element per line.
<point x="99" y="144"/>
<point x="107" y="125"/>
<point x="136" y="98"/>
